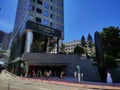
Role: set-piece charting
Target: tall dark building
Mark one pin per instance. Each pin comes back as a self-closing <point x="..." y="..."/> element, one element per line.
<point x="1" y="39"/>
<point x="1" y="36"/>
<point x="39" y="26"/>
<point x="4" y="40"/>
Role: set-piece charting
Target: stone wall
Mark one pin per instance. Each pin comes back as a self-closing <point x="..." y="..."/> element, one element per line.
<point x="90" y="72"/>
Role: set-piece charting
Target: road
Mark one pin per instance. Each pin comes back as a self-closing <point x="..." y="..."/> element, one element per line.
<point x="11" y="82"/>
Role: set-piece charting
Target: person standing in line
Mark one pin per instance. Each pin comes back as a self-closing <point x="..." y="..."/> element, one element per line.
<point x="34" y="74"/>
<point x="75" y="74"/>
<point x="50" y="73"/>
<point x="39" y="74"/>
<point x="61" y="75"/>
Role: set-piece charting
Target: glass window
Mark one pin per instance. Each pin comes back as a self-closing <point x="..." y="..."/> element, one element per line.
<point x="38" y="19"/>
<point x="58" y="10"/>
<point x="45" y="22"/>
<point x="31" y="8"/>
<point x="52" y="16"/>
<point x="46" y="5"/>
<point x="30" y="17"/>
<point x="57" y="3"/>
<point x="52" y="8"/>
<point x="59" y="19"/>
<point x="52" y="24"/>
<point x="58" y="26"/>
<point x="46" y="13"/>
<point x="39" y="10"/>
<point x="32" y="0"/>
<point x="39" y="2"/>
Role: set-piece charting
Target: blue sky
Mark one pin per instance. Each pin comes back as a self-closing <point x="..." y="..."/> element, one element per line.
<point x="80" y="16"/>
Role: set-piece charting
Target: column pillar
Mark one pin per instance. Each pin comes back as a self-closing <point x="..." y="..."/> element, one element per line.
<point x="29" y="40"/>
<point x="26" y="69"/>
<point x="59" y="42"/>
<point x="48" y="45"/>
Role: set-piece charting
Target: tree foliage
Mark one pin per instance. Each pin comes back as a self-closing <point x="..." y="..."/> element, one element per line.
<point x="111" y="40"/>
<point x="89" y="41"/>
<point x="83" y="42"/>
<point x="110" y="62"/>
<point x="78" y="50"/>
<point x="63" y="48"/>
<point x="37" y="46"/>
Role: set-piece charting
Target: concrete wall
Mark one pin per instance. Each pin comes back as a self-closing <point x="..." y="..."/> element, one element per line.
<point x="90" y="72"/>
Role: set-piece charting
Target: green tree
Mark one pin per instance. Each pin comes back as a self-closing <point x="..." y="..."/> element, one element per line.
<point x="78" y="50"/>
<point x="89" y="41"/>
<point x="83" y="42"/>
<point x="63" y="48"/>
<point x="37" y="46"/>
<point x="52" y="46"/>
<point x="111" y="40"/>
<point x="2" y="53"/>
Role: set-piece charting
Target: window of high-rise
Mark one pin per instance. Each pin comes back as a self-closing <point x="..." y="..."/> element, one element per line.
<point x="39" y="10"/>
<point x="38" y="20"/>
<point x="45" y="22"/>
<point x="39" y="2"/>
<point x="46" y="5"/>
<point x="46" y="13"/>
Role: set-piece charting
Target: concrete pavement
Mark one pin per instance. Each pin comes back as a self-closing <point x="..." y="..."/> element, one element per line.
<point x="72" y="82"/>
<point x="65" y="82"/>
<point x="9" y="81"/>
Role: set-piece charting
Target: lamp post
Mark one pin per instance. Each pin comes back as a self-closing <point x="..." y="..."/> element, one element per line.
<point x="79" y="79"/>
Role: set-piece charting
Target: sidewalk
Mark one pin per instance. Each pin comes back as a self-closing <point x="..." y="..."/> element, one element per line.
<point x="72" y="82"/>
<point x="66" y="81"/>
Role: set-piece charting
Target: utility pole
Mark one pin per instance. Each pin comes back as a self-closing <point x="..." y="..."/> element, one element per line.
<point x="79" y="78"/>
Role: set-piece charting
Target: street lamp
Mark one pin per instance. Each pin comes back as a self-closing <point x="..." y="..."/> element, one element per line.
<point x="78" y="67"/>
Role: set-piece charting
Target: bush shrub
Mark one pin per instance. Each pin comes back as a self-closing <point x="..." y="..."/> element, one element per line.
<point x="110" y="62"/>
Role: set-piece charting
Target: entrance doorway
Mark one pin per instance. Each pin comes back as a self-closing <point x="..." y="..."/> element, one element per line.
<point x="56" y="70"/>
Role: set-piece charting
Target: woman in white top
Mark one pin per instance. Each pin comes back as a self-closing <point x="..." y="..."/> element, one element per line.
<point x="109" y="78"/>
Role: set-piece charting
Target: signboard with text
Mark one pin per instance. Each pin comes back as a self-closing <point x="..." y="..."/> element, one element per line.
<point x="43" y="29"/>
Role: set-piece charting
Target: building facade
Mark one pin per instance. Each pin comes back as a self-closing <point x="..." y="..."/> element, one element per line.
<point x="4" y="40"/>
<point x="69" y="46"/>
<point x="38" y="23"/>
<point x="39" y="26"/>
<point x="1" y="39"/>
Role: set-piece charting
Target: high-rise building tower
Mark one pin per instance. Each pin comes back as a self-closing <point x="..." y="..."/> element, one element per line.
<point x="39" y="26"/>
<point x="1" y="38"/>
<point x="4" y="40"/>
